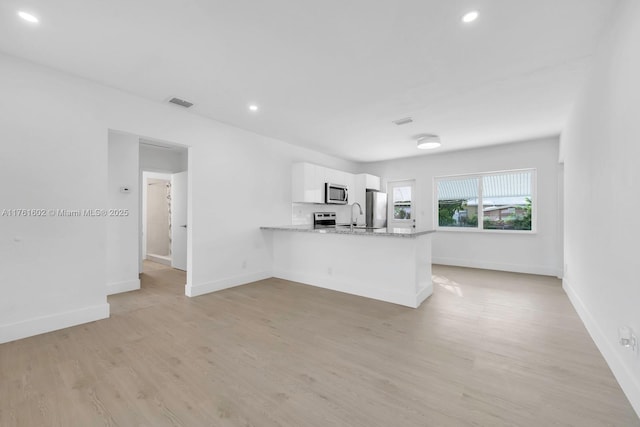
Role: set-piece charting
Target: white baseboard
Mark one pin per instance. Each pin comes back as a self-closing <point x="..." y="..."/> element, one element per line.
<point x="399" y="298"/>
<point x="53" y="322"/>
<point x="621" y="371"/>
<point x="160" y="259"/>
<point x="126" y="286"/>
<point x="229" y="282"/>
<point x="514" y="268"/>
<point x="424" y="293"/>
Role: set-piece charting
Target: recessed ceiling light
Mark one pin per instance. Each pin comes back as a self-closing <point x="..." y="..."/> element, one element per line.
<point x="470" y="16"/>
<point x="428" y="142"/>
<point x="253" y="107"/>
<point x="28" y="17"/>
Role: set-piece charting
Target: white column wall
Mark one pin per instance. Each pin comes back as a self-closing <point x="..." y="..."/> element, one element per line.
<point x="122" y="256"/>
<point x="602" y="180"/>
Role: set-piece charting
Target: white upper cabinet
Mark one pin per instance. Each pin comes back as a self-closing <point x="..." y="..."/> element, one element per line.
<point x="307" y="183"/>
<point x="371" y="182"/>
<point x="335" y="176"/>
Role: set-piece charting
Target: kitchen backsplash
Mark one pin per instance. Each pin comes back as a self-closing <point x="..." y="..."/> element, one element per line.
<point x="302" y="213"/>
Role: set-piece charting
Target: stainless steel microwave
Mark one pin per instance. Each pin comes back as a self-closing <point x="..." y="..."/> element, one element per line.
<point x="336" y="194"/>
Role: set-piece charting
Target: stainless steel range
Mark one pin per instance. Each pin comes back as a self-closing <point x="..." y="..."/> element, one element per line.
<point x="324" y="220"/>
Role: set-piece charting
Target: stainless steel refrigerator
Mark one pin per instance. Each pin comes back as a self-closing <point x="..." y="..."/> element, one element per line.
<point x="376" y="209"/>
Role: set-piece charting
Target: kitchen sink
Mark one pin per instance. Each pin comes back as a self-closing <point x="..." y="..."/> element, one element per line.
<point x="359" y="227"/>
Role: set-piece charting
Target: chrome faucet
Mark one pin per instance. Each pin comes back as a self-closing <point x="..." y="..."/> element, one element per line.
<point x="359" y="207"/>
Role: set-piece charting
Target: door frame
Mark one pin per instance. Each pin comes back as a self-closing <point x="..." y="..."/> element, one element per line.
<point x="175" y="224"/>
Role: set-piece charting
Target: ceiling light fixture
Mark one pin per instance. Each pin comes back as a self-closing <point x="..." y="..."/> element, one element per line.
<point x="428" y="142"/>
<point x="28" y="17"/>
<point x="470" y="16"/>
<point x="253" y="107"/>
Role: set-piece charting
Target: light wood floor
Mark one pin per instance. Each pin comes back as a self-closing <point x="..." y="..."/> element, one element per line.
<point x="487" y="349"/>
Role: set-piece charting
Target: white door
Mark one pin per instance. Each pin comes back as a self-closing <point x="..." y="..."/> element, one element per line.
<point x="179" y="221"/>
<point x="400" y="206"/>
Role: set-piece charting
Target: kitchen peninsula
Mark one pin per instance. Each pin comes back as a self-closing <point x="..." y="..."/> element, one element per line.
<point x="392" y="265"/>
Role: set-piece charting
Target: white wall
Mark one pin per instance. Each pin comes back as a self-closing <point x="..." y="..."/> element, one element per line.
<point x="601" y="152"/>
<point x="539" y="253"/>
<point x="162" y="160"/>
<point x="122" y="256"/>
<point x="54" y="154"/>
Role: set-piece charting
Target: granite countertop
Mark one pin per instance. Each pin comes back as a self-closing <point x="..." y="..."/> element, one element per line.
<point x="384" y="232"/>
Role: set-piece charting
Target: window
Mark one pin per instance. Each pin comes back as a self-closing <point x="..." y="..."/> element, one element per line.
<point x="458" y="202"/>
<point x="488" y="201"/>
<point x="402" y="202"/>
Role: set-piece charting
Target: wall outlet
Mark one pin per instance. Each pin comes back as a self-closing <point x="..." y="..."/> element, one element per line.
<point x="244" y="264"/>
<point x="330" y="271"/>
<point x="628" y="339"/>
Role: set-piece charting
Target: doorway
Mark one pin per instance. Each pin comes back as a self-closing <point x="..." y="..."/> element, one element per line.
<point x="401" y="210"/>
<point x="129" y="156"/>
<point x="157" y="217"/>
<point x="164" y="218"/>
<point x="163" y="203"/>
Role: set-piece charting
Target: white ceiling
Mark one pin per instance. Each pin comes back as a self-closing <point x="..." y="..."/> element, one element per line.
<point x="332" y="74"/>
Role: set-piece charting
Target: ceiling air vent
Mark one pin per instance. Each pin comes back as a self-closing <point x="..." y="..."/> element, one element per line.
<point x="181" y="102"/>
<point x="404" y="121"/>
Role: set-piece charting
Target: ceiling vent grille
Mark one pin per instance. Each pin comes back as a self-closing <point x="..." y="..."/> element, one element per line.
<point x="404" y="121"/>
<point x="181" y="102"/>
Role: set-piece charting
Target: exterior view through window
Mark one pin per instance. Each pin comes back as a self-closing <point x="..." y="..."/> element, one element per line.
<point x="401" y="206"/>
<point x="489" y="201"/>
<point x="402" y="203"/>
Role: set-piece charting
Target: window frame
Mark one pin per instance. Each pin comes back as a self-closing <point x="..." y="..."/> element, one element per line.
<point x="480" y="228"/>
